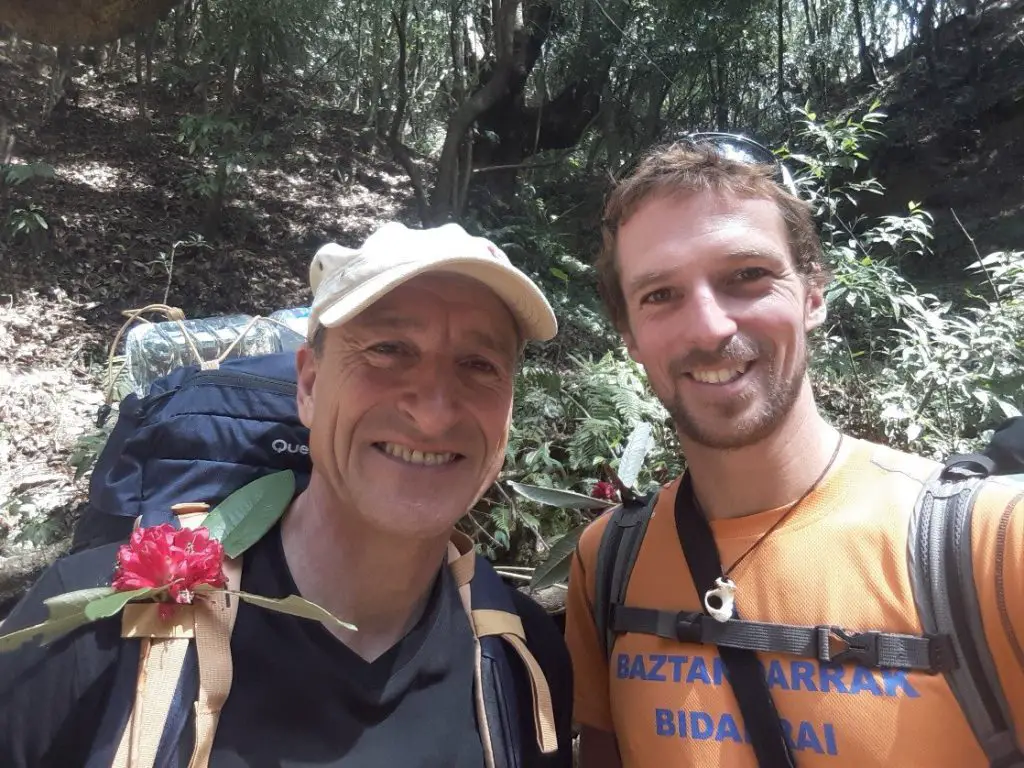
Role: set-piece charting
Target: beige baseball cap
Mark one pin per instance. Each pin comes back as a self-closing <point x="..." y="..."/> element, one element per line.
<point x="345" y="281"/>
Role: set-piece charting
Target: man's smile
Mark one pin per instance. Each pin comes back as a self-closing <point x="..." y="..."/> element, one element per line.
<point x="725" y="374"/>
<point x="417" y="457"/>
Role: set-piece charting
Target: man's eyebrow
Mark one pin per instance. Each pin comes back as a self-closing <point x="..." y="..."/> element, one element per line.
<point x="393" y="322"/>
<point x="491" y="342"/>
<point x="646" y="279"/>
<point x="654" y="277"/>
<point x="747" y="254"/>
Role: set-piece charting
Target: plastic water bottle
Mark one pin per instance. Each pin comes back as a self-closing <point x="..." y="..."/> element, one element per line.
<point x="153" y="350"/>
<point x="297" y="319"/>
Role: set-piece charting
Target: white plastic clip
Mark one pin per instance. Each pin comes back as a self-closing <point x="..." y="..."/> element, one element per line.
<point x="719" y="601"/>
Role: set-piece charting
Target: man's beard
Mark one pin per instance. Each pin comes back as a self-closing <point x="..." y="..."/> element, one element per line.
<point x="738" y="431"/>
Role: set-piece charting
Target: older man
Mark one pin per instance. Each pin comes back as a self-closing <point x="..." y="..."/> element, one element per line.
<point x="406" y="388"/>
<point x="783" y="537"/>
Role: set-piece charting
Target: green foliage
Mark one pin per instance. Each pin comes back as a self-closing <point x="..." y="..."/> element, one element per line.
<point x="896" y="364"/>
<point x="226" y="149"/>
<point x="35" y="527"/>
<point x="26" y="223"/>
<point x="242" y="518"/>
<point x="17" y="174"/>
<point x="570" y="423"/>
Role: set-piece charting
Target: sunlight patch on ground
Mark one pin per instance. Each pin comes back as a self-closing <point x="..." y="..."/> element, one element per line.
<point x="100" y="176"/>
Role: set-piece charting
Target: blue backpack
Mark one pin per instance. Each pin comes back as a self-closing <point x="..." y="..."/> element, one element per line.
<point x="199" y="435"/>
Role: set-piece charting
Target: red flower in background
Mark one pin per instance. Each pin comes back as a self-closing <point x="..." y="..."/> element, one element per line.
<point x="603" y="490"/>
<point x="165" y="556"/>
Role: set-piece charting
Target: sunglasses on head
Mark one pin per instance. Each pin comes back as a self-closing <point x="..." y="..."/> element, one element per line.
<point x="740" y="149"/>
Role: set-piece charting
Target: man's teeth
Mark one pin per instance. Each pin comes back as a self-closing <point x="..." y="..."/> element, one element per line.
<point x="720" y="376"/>
<point x="416" y="457"/>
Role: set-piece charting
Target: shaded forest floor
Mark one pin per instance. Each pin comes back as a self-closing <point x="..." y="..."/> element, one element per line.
<point x="119" y="199"/>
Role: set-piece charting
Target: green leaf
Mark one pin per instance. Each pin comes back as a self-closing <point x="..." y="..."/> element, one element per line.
<point x="555" y="569"/>
<point x="242" y="518"/>
<point x="64" y="605"/>
<point x="104" y="607"/>
<point x="637" y="448"/>
<point x="555" y="497"/>
<point x="294" y="605"/>
<point x="560" y="274"/>
<point x="47" y="631"/>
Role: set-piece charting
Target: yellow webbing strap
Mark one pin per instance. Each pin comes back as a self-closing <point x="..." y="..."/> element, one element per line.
<point x="160" y="663"/>
<point x="162" y="657"/>
<point x="509" y="627"/>
<point x="215" y="618"/>
<point x="462" y="562"/>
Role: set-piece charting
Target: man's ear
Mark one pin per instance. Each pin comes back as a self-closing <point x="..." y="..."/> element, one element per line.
<point x="815" y="307"/>
<point x="305" y="368"/>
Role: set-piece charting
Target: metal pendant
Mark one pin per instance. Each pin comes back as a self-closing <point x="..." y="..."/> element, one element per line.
<point x="719" y="601"/>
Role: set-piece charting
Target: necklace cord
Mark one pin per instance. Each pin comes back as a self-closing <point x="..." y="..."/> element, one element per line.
<point x="785" y="515"/>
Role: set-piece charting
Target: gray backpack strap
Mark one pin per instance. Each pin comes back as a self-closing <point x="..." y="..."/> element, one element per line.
<point x="616" y="556"/>
<point x="942" y="577"/>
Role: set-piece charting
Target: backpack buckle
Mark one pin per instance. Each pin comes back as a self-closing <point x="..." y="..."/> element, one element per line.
<point x="688" y="626"/>
<point x="837" y="646"/>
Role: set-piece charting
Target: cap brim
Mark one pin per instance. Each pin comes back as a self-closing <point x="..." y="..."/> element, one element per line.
<point x="528" y="305"/>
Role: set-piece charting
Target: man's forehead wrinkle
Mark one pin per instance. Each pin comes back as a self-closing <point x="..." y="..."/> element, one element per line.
<point x="391" y="320"/>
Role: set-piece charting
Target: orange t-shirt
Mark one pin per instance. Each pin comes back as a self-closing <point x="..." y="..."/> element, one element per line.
<point x="839" y="559"/>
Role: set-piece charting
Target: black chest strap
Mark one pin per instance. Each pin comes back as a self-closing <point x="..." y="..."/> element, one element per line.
<point x="828" y="644"/>
<point x="742" y="666"/>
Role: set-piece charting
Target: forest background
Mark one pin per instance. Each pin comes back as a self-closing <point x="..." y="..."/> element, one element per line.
<point x="197" y="153"/>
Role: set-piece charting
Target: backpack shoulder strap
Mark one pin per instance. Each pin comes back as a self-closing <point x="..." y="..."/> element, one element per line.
<point x="940" y="557"/>
<point x="496" y="626"/>
<point x="616" y="556"/>
<point x="162" y="659"/>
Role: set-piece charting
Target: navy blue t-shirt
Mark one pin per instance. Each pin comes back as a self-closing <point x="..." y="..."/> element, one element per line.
<point x="299" y="696"/>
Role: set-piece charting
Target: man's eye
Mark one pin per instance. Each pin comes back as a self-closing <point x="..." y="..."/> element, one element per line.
<point x="481" y="365"/>
<point x="751" y="274"/>
<point x="657" y="297"/>
<point x="387" y="348"/>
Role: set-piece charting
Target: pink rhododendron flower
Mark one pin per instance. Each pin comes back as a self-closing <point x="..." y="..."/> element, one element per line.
<point x="603" y="490"/>
<point x="165" y="556"/>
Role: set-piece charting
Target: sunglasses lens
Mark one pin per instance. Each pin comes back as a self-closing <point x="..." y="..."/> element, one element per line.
<point x="742" y="150"/>
<point x="736" y="148"/>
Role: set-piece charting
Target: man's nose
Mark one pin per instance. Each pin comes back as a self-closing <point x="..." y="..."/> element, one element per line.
<point x="707" y="322"/>
<point x="431" y="399"/>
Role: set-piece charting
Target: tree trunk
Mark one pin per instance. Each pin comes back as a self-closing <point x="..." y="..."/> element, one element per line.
<point x="722" y="100"/>
<point x="867" y="69"/>
<point x="150" y="43"/>
<point x="376" y="73"/>
<point x="357" y="79"/>
<point x="401" y="20"/>
<point x="781" y="74"/>
<point x="140" y="84"/>
<point x="927" y="35"/>
<point x="58" y="79"/>
<point x="215" y="203"/>
<point x="178" y="35"/>
<point x="444" y="202"/>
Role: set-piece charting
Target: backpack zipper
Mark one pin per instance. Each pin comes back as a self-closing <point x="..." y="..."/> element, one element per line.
<point x="244" y="380"/>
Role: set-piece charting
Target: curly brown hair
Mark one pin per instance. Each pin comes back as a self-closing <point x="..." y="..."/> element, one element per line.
<point x="682" y="169"/>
